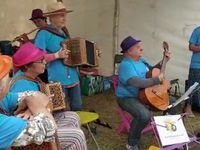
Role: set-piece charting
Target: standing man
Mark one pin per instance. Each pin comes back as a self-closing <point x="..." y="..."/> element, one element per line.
<point x="40" y="21"/>
<point x="38" y="18"/>
<point x="50" y="40"/>
<point x="194" y="72"/>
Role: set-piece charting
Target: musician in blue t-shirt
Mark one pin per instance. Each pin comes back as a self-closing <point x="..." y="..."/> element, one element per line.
<point x="132" y="77"/>
<point x="194" y="72"/>
<point x="49" y="39"/>
<point x="15" y="131"/>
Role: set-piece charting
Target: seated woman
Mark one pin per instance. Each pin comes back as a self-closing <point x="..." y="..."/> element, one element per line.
<point x="17" y="131"/>
<point x="30" y="62"/>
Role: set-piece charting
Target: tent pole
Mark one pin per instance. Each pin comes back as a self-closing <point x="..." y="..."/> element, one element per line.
<point x="115" y="30"/>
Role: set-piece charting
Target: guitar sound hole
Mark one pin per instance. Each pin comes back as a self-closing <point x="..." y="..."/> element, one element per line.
<point x="157" y="94"/>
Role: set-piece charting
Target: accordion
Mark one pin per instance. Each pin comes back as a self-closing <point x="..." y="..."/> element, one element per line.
<point x="82" y="52"/>
<point x="43" y="146"/>
<point x="58" y="99"/>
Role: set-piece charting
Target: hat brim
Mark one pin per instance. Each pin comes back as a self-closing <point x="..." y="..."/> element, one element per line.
<point x="5" y="65"/>
<point x="56" y="13"/>
<point x="123" y="51"/>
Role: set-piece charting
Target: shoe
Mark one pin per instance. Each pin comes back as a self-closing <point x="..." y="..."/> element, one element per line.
<point x="129" y="147"/>
<point x="191" y="115"/>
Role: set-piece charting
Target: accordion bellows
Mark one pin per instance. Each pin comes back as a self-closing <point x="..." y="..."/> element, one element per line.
<point x="82" y="52"/>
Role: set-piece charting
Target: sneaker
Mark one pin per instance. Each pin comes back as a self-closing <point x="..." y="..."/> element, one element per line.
<point x="129" y="147"/>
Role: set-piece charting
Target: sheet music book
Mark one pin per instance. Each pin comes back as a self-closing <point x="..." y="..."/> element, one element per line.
<point x="185" y="96"/>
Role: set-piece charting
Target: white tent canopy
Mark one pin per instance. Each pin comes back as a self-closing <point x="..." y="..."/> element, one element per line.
<point x="152" y="21"/>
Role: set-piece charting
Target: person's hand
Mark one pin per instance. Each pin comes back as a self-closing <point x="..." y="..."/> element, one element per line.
<point x="167" y="55"/>
<point x="26" y="115"/>
<point x="63" y="53"/>
<point x="99" y="52"/>
<point x="161" y="77"/>
<point x="22" y="106"/>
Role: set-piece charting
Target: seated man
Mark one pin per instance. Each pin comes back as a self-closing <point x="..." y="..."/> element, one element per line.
<point x="132" y="78"/>
<point x="16" y="131"/>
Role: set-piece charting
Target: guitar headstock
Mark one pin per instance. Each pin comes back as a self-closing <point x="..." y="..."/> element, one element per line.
<point x="165" y="46"/>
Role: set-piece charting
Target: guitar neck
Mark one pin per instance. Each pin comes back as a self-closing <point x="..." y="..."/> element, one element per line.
<point x="164" y="60"/>
<point x="163" y="67"/>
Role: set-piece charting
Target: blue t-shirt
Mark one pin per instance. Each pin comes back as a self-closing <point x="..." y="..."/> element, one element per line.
<point x="23" y="84"/>
<point x="195" y="40"/>
<point x="10" y="126"/>
<point x="9" y="102"/>
<point x="10" y="129"/>
<point x="57" y="70"/>
<point x="128" y="69"/>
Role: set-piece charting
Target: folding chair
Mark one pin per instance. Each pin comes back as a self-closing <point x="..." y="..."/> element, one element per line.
<point x="126" y="118"/>
<point x="86" y="118"/>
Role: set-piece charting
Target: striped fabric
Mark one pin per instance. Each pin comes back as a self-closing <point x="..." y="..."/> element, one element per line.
<point x="70" y="136"/>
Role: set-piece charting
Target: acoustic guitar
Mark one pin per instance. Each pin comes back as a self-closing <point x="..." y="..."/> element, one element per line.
<point x="157" y="96"/>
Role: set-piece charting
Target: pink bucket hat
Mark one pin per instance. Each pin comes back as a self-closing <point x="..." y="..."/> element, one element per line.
<point x="27" y="54"/>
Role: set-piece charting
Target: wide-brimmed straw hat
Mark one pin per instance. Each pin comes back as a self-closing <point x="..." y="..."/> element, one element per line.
<point x="26" y="54"/>
<point x="5" y="65"/>
<point x="55" y="9"/>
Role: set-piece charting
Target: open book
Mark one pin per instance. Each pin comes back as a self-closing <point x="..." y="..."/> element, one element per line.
<point x="185" y="96"/>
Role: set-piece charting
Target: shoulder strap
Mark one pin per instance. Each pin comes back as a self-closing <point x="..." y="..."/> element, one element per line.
<point x="41" y="84"/>
<point x="66" y="31"/>
<point x="55" y="31"/>
<point x="38" y="80"/>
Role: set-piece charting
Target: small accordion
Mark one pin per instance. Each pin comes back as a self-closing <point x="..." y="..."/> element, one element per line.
<point x="58" y="99"/>
<point x="82" y="52"/>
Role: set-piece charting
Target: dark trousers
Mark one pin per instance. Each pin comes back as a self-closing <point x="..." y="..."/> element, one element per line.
<point x="141" y="116"/>
<point x="194" y="76"/>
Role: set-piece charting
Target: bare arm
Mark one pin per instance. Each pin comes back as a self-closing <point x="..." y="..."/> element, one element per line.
<point x="35" y="104"/>
<point x="194" y="48"/>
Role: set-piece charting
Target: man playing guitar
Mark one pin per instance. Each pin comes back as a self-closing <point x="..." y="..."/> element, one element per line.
<point x="132" y="78"/>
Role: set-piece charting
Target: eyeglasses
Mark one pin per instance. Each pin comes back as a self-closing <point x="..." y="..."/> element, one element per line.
<point x="40" y="61"/>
